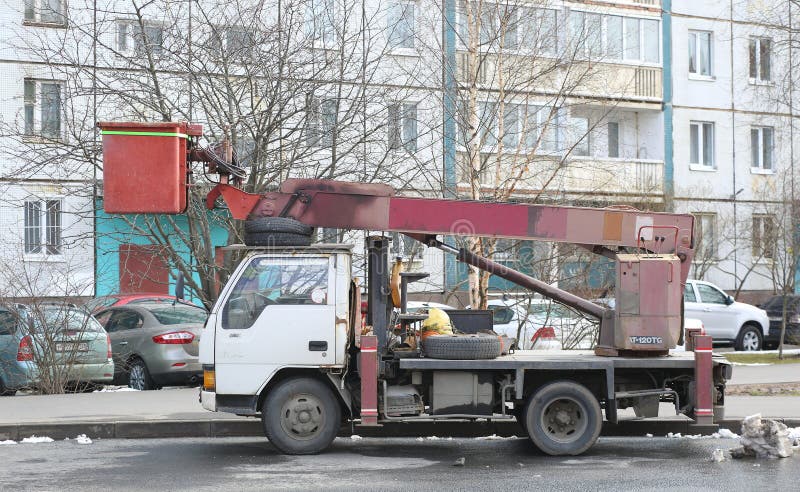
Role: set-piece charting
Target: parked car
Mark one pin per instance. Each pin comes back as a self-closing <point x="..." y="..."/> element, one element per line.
<point x="417" y="306"/>
<point x="155" y="344"/>
<point x="726" y="320"/>
<point x="571" y="330"/>
<point x="99" y="303"/>
<point x="52" y="344"/>
<point x="774" y="309"/>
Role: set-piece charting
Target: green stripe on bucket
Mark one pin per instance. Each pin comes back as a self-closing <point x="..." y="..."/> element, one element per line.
<point x="145" y="134"/>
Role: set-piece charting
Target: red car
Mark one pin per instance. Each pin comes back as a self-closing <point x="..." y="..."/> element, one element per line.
<point x="103" y="302"/>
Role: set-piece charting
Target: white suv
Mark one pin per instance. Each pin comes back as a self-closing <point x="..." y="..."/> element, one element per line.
<point x="724" y="319"/>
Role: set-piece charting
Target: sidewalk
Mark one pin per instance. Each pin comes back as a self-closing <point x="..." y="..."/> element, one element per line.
<point x="177" y="413"/>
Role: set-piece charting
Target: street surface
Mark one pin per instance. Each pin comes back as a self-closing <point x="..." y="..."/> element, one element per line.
<point x="386" y="464"/>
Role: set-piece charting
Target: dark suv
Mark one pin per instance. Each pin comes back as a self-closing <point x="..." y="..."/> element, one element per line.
<point x="774" y="309"/>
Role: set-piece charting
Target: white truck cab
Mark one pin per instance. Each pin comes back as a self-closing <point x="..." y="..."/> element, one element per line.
<point x="280" y="309"/>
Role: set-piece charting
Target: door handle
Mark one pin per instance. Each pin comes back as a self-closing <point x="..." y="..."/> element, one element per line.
<point x="708" y="310"/>
<point x="317" y="346"/>
<point x="123" y="343"/>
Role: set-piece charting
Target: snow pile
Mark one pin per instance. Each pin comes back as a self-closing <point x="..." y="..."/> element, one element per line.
<point x="356" y="437"/>
<point x="675" y="435"/>
<point x="8" y="442"/>
<point x="725" y="434"/>
<point x="36" y="439"/>
<point x="82" y="439"/>
<point x="113" y="389"/>
<point x="794" y="436"/>
<point x="432" y="438"/>
<point x="494" y="437"/>
<point x="763" y="438"/>
<point x="717" y="456"/>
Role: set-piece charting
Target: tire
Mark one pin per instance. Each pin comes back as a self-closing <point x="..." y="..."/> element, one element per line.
<point x="276" y="239"/>
<point x="277" y="224"/>
<point x="139" y="377"/>
<point x="301" y="416"/>
<point x="563" y="418"/>
<point x="749" y="339"/>
<point x="462" y="347"/>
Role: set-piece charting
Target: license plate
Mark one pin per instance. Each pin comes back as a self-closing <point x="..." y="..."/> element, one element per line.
<point x="72" y="347"/>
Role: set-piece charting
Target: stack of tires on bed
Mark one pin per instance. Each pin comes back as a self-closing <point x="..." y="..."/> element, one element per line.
<point x="276" y="231"/>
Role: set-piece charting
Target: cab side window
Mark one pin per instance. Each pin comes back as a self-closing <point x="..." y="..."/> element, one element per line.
<point x="688" y="294"/>
<point x="711" y="295"/>
<point x="275" y="281"/>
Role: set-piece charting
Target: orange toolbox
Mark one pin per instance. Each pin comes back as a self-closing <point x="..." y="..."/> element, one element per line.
<point x="145" y="166"/>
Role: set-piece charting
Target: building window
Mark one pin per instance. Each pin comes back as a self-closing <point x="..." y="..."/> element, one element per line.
<point x="615" y="38"/>
<point x="761" y="145"/>
<point x="407" y="248"/>
<point x="43" y="108"/>
<point x="613" y="139"/>
<point x="402" y="127"/>
<point x="235" y="42"/>
<point x="45" y="11"/>
<point x="401" y="24"/>
<point x="42" y="227"/>
<point x="320" y="121"/>
<point x="700" y="53"/>
<point x="705" y="236"/>
<point x="701" y="145"/>
<point x="760" y="59"/>
<point x="578" y="135"/>
<point x="764" y="237"/>
<point x="321" y="22"/>
<point x="132" y="39"/>
<point x="540" y="128"/>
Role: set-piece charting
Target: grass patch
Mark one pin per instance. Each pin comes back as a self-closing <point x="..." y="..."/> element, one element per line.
<point x="758" y="358"/>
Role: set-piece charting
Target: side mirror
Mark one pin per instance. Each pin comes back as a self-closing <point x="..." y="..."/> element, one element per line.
<point x="729" y="300"/>
<point x="179" y="286"/>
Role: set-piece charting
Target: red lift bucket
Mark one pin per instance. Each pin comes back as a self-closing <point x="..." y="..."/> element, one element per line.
<point x="144" y="166"/>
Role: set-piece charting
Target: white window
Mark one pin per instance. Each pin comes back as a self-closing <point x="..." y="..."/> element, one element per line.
<point x="402" y="126"/>
<point x="540" y="128"/>
<point x="321" y="22"/>
<point x="43" y="108"/>
<point x="700" y="53"/>
<point x="761" y="145"/>
<point x="402" y="24"/>
<point x="511" y="130"/>
<point x="614" y="37"/>
<point x="701" y="143"/>
<point x="763" y="237"/>
<point x="578" y="135"/>
<point x="586" y="34"/>
<point x="613" y="138"/>
<point x="234" y="41"/>
<point x="633" y="45"/>
<point x="42" y="223"/>
<point x="132" y="39"/>
<point x="705" y="236"/>
<point x="320" y="121"/>
<point x="760" y="59"/>
<point x="45" y="11"/>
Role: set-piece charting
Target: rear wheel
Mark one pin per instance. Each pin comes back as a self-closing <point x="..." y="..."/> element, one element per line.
<point x="301" y="416"/>
<point x="139" y="377"/>
<point x="563" y="418"/>
<point x="749" y="338"/>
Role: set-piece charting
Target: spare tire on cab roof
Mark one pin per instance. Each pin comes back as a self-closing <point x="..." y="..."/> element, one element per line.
<point x="277" y="231"/>
<point x="462" y="347"/>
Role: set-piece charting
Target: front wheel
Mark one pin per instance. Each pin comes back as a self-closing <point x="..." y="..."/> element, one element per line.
<point x="563" y="418"/>
<point x="749" y="339"/>
<point x="301" y="416"/>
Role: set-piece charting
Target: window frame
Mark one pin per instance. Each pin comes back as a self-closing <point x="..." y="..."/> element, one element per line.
<point x="34" y="8"/>
<point x="701" y="165"/>
<point x="134" y="36"/>
<point x="43" y="249"/>
<point x="397" y="45"/>
<point x="700" y="232"/>
<point x="759" y="234"/>
<point x="696" y="74"/>
<point x="621" y="57"/>
<point x="759" y="166"/>
<point x="699" y="293"/>
<point x="327" y="11"/>
<point x="754" y="47"/>
<point x="319" y="127"/>
<point x="399" y="115"/>
<point x="33" y="128"/>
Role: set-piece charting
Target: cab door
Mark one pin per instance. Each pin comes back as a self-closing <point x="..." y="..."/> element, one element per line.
<point x="280" y="312"/>
<point x="719" y="317"/>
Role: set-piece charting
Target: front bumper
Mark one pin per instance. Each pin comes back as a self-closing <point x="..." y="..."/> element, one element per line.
<point x="792" y="333"/>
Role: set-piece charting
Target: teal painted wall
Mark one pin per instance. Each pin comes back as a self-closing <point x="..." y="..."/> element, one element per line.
<point x="113" y="230"/>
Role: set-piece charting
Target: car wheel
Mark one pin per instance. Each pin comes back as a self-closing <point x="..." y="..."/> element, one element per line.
<point x="749" y="338"/>
<point x="563" y="418"/>
<point x="301" y="416"/>
<point x="139" y="377"/>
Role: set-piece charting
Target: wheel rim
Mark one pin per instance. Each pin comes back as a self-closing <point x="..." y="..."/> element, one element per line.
<point x="750" y="340"/>
<point x="564" y="420"/>
<point x="136" y="377"/>
<point x="302" y="417"/>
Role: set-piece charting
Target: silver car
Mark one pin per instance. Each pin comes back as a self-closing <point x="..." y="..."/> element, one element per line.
<point x="155" y="344"/>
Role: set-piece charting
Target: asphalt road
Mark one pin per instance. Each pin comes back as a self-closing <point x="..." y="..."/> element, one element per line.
<point x="386" y="464"/>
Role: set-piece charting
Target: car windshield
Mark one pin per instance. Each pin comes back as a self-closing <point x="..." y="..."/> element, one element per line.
<point x="52" y="319"/>
<point x="549" y="310"/>
<point x="175" y="315"/>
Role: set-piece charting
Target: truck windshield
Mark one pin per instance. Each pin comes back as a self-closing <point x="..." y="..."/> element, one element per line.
<point x="268" y="281"/>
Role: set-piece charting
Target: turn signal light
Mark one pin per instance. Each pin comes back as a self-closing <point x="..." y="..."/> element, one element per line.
<point x="25" y="350"/>
<point x="209" y="378"/>
<point x="175" y="337"/>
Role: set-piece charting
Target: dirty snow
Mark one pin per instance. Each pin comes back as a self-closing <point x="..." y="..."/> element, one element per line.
<point x="718" y="456"/>
<point x="725" y="434"/>
<point x="763" y="438"/>
<point x="113" y="389"/>
<point x="82" y="439"/>
<point x="494" y="437"/>
<point x="36" y="439"/>
<point x="432" y="438"/>
<point x="356" y="437"/>
<point x="8" y="442"/>
<point x="648" y="435"/>
<point x="420" y="439"/>
<point x="751" y="364"/>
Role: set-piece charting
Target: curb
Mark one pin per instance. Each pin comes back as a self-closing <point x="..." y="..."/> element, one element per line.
<point x="252" y="428"/>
